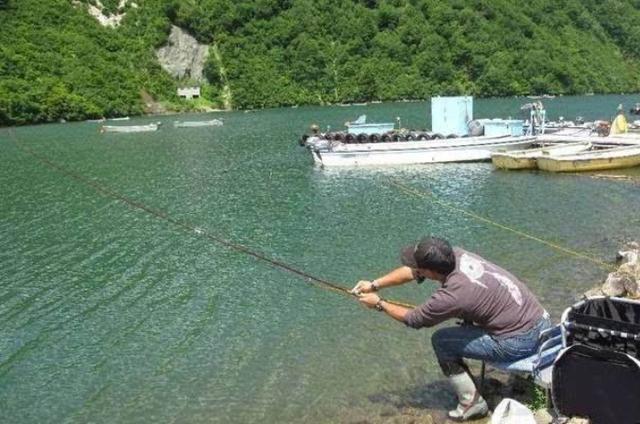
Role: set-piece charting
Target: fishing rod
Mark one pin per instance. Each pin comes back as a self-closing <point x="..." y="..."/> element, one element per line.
<point x="187" y="226"/>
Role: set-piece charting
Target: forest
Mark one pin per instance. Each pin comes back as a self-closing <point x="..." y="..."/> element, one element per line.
<point x="57" y="62"/>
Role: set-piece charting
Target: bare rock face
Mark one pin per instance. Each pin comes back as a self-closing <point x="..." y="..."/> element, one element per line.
<point x="96" y="9"/>
<point x="633" y="289"/>
<point x="616" y="283"/>
<point x="183" y="56"/>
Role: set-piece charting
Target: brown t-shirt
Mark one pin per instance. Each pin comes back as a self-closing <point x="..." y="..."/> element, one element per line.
<point x="483" y="293"/>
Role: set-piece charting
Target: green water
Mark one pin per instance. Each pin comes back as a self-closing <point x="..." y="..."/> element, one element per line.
<point x="111" y="314"/>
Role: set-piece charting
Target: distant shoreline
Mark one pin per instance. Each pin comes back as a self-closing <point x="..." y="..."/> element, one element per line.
<point x="163" y="111"/>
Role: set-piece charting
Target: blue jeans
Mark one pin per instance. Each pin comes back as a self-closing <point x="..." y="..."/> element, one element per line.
<point x="451" y="344"/>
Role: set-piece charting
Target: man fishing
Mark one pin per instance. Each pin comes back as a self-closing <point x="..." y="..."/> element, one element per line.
<point x="503" y="319"/>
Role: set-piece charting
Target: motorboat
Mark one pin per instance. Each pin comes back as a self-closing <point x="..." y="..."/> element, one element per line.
<point x="463" y="149"/>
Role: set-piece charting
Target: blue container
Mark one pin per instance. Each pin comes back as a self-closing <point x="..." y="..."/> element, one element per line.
<point x="503" y="127"/>
<point x="372" y="128"/>
<point x="450" y="115"/>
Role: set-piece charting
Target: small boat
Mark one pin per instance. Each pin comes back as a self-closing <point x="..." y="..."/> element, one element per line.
<point x="405" y="153"/>
<point x="593" y="160"/>
<point x="544" y="96"/>
<point x="571" y="136"/>
<point x="527" y="159"/>
<point x="193" y="124"/>
<point x="122" y="118"/>
<point x="129" y="128"/>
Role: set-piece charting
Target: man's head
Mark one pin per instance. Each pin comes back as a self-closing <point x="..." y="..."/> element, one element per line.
<point x="430" y="253"/>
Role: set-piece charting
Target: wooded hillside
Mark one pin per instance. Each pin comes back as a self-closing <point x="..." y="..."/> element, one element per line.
<point x="56" y="61"/>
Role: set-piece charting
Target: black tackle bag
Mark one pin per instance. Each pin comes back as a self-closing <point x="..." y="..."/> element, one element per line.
<point x="597" y="375"/>
<point x="598" y="384"/>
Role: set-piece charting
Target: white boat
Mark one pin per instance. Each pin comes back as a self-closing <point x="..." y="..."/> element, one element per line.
<point x="319" y="142"/>
<point x="122" y="118"/>
<point x="593" y="160"/>
<point x="193" y="124"/>
<point x="527" y="159"/>
<point x="418" y="152"/>
<point x="129" y="128"/>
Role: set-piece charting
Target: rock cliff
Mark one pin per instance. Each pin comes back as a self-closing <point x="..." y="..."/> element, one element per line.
<point x="183" y="56"/>
<point x="97" y="11"/>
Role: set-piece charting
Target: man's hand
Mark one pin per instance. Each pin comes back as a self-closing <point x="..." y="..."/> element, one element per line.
<point x="363" y="286"/>
<point x="369" y="300"/>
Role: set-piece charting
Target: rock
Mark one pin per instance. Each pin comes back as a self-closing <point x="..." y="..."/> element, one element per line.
<point x="183" y="56"/>
<point x="616" y="283"/>
<point x="625" y="282"/>
<point x="152" y="107"/>
<point x="633" y="288"/>
<point x="579" y="421"/>
<point x="594" y="292"/>
<point x="97" y="11"/>
<point x="543" y="416"/>
<point x="630" y="268"/>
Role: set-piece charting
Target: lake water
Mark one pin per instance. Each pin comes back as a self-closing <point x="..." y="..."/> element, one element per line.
<point x="113" y="314"/>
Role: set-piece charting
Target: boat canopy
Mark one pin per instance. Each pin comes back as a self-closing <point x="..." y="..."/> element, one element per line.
<point x="361" y="119"/>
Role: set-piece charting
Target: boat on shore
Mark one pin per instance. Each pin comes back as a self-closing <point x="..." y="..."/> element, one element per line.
<point x="527" y="159"/>
<point x="195" y="124"/>
<point x="593" y="160"/>
<point x="464" y="149"/>
<point x="129" y="128"/>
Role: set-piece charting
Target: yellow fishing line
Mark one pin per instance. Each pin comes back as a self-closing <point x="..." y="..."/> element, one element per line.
<point x="448" y="205"/>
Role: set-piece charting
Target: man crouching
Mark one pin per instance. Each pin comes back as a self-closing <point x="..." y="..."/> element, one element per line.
<point x="506" y="317"/>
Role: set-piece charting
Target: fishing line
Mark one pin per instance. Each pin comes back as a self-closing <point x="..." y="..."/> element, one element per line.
<point x="133" y="203"/>
<point x="414" y="192"/>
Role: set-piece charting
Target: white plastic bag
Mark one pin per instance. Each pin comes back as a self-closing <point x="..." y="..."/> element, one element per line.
<point x="510" y="411"/>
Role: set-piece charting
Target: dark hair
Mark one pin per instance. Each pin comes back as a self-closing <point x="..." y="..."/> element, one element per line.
<point x="432" y="253"/>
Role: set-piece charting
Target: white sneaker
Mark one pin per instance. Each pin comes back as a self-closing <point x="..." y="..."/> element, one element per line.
<point x="477" y="409"/>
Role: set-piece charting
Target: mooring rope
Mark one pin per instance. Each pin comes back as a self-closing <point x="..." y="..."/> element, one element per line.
<point x="133" y="203"/>
<point x="421" y="194"/>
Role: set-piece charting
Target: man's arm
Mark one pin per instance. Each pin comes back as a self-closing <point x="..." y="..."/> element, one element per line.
<point x="396" y="277"/>
<point x="372" y="300"/>
<point x="440" y="306"/>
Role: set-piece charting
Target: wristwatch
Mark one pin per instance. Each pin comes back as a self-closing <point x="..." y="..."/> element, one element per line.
<point x="375" y="286"/>
<point x="379" y="305"/>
